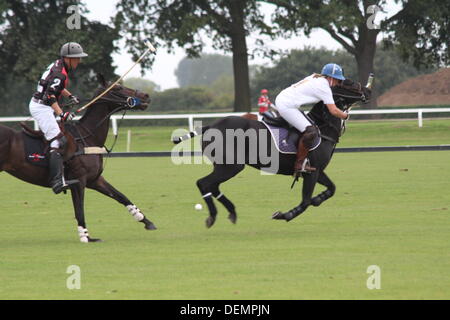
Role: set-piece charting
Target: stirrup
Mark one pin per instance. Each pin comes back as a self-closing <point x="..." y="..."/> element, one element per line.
<point x="64" y="185"/>
<point x="305" y="167"/>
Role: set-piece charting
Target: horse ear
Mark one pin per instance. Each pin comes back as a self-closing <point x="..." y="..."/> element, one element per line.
<point x="101" y="79"/>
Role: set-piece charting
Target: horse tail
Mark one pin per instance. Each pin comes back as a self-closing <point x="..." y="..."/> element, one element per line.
<point x="196" y="132"/>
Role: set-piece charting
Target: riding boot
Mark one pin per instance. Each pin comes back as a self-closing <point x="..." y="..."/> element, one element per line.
<point x="302" y="162"/>
<point x="57" y="180"/>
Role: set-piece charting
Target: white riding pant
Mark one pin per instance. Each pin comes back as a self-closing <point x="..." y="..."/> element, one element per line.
<point x="46" y="121"/>
<point x="294" y="116"/>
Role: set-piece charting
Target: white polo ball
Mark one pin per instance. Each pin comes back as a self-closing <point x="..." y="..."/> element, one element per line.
<point x="198" y="206"/>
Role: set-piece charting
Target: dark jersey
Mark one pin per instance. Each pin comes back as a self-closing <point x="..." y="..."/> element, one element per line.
<point x="52" y="82"/>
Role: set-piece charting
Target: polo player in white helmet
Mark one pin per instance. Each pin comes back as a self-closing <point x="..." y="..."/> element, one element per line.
<point x="44" y="106"/>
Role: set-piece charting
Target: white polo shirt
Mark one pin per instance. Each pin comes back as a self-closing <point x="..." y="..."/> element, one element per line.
<point x="307" y="91"/>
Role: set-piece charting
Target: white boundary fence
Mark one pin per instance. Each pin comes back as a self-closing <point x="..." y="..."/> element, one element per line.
<point x="190" y="117"/>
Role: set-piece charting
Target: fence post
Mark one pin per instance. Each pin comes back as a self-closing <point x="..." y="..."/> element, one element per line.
<point x="114" y="125"/>
<point x="191" y="123"/>
<point x="128" y="140"/>
<point x="420" y="118"/>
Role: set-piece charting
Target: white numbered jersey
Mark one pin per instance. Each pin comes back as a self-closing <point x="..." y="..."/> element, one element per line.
<point x="310" y="90"/>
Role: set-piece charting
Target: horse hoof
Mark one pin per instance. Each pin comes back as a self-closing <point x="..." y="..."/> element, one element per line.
<point x="278" y="216"/>
<point x="148" y="225"/>
<point x="232" y="217"/>
<point x="210" y="221"/>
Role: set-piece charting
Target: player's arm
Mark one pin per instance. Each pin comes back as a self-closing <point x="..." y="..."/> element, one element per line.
<point x="335" y="111"/>
<point x="66" y="93"/>
<point x="325" y="94"/>
<point x="55" y="106"/>
<point x="74" y="99"/>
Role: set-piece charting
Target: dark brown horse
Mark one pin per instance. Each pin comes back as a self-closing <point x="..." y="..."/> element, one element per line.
<point x="233" y="142"/>
<point x="90" y="131"/>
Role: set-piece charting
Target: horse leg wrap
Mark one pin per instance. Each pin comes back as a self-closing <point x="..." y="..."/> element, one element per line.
<point x="226" y="202"/>
<point x="83" y="234"/>
<point x="316" y="201"/>
<point x="291" y="214"/>
<point x="210" y="203"/>
<point x="135" y="212"/>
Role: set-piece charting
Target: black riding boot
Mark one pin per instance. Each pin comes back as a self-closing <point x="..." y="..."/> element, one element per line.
<point x="57" y="180"/>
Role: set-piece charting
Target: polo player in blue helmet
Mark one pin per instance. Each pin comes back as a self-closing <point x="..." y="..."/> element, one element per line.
<point x="310" y="90"/>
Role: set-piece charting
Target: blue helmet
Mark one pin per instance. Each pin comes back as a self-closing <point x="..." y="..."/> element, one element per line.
<point x="334" y="71"/>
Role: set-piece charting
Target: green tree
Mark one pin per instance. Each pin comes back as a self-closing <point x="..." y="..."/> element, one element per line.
<point x="31" y="37"/>
<point x="389" y="68"/>
<point x="421" y="33"/>
<point x="186" y="22"/>
<point x="189" y="98"/>
<point x="204" y="70"/>
<point x="296" y="65"/>
<point x="420" y="27"/>
<point x="222" y="90"/>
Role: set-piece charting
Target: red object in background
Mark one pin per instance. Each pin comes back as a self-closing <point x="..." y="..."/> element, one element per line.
<point x="264" y="103"/>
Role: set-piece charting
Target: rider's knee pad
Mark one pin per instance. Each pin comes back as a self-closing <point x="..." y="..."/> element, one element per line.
<point x="310" y="135"/>
<point x="62" y="142"/>
<point x="54" y="144"/>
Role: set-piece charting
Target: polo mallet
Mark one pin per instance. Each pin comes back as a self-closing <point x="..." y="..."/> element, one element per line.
<point x="150" y="48"/>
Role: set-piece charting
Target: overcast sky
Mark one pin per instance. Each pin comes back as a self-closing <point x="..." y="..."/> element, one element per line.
<point x="165" y="64"/>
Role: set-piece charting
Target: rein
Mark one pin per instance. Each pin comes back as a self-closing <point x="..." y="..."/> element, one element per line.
<point x="129" y="102"/>
<point x="326" y="119"/>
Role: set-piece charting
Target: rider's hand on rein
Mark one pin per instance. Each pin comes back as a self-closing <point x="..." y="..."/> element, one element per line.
<point x="67" y="116"/>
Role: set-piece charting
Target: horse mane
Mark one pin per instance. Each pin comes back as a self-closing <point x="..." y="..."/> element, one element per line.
<point x="97" y="92"/>
<point x="344" y="96"/>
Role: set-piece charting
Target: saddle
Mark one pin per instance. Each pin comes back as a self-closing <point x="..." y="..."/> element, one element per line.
<point x="274" y="119"/>
<point x="37" y="147"/>
<point x="285" y="136"/>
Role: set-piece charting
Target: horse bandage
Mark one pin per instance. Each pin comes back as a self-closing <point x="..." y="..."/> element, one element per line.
<point x="135" y="212"/>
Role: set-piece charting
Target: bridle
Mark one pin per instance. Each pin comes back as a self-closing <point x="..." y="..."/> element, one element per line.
<point x="123" y="102"/>
<point x="328" y="123"/>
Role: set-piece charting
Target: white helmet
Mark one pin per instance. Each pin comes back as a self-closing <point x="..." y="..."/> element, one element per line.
<point x="72" y="50"/>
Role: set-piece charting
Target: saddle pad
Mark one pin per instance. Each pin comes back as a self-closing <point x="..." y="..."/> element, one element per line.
<point x="34" y="151"/>
<point x="283" y="142"/>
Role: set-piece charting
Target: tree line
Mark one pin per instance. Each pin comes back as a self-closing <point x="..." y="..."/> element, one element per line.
<point x="419" y="30"/>
<point x="31" y="33"/>
<point x="204" y="89"/>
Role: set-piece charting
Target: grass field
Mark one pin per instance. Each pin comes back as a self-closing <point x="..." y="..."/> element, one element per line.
<point x="358" y="134"/>
<point x="391" y="209"/>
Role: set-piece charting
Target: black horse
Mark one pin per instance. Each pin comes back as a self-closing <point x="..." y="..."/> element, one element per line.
<point x="90" y="131"/>
<point x="232" y="152"/>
